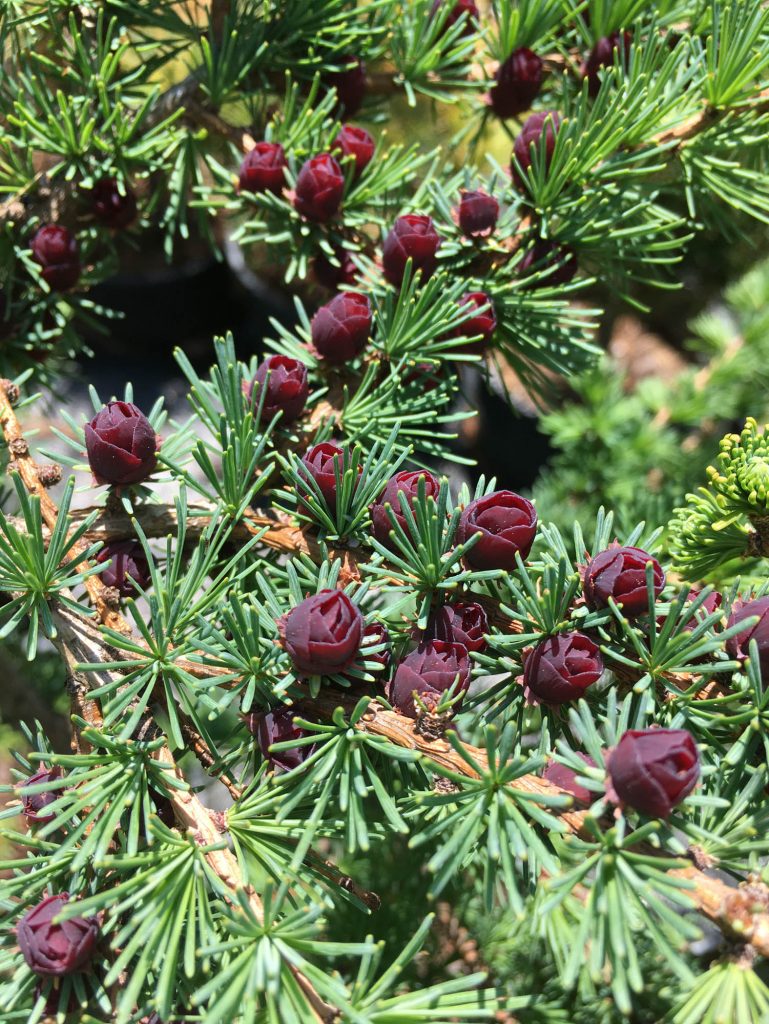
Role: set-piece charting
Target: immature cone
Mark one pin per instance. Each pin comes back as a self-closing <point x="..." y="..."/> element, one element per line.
<point x="278" y="726"/>
<point x="620" y="573"/>
<point x="566" y="778"/>
<point x="428" y="376"/>
<point x="373" y="635"/>
<point x="357" y="143"/>
<point x="562" y="667"/>
<point x="286" y="389"/>
<point x="457" y="9"/>
<point x="557" y="264"/>
<point x="429" y="671"/>
<point x="322" y="462"/>
<point x="603" y="55"/>
<point x="507" y="524"/>
<point x="407" y="483"/>
<point x="335" y="275"/>
<point x="478" y="213"/>
<point x="52" y="949"/>
<point x="482" y="325"/>
<point x="115" y="208"/>
<point x="350" y="84"/>
<point x="461" y="623"/>
<point x="652" y="770"/>
<point x="341" y="328"/>
<point x="128" y="560"/>
<point x="411" y="236"/>
<point x="323" y="633"/>
<point x="35" y="804"/>
<point x="738" y="646"/>
<point x="319" y="188"/>
<point x="55" y="248"/>
<point x="121" y="444"/>
<point x="711" y="604"/>
<point x="545" y="124"/>
<point x="517" y="83"/>
<point x="262" y="169"/>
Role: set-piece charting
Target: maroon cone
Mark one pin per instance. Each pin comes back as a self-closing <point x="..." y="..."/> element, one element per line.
<point x="562" y="667"/>
<point x="374" y="635"/>
<point x="115" y="208"/>
<point x="507" y="524"/>
<point x="262" y="169"/>
<point x="323" y="634"/>
<point x="457" y="9"/>
<point x="557" y="264"/>
<point x="121" y="444"/>
<point x="620" y="573"/>
<point x="414" y="237"/>
<point x="429" y="671"/>
<point x="428" y="376"/>
<point x="603" y="55"/>
<point x="738" y="646"/>
<point x="35" y="804"/>
<point x="55" y="248"/>
<point x="461" y="623"/>
<point x="480" y="326"/>
<point x="350" y="84"/>
<point x="319" y="188"/>
<point x="357" y="143"/>
<point x="545" y="124"/>
<point x="322" y="462"/>
<point x="711" y="604"/>
<point x="128" y="560"/>
<point x="341" y="328"/>
<point x="286" y="389"/>
<point x="478" y="213"/>
<point x="52" y="949"/>
<point x="278" y="726"/>
<point x="517" y="83"/>
<point x="407" y="483"/>
<point x="652" y="770"/>
<point x="566" y="778"/>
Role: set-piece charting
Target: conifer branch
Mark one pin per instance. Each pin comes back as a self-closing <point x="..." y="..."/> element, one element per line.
<point x="29" y="471"/>
<point x="742" y="912"/>
<point x="159" y="520"/>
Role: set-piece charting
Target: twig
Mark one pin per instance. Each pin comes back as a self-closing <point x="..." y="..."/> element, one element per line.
<point x="201" y="750"/>
<point x="29" y="471"/>
<point x="741" y="911"/>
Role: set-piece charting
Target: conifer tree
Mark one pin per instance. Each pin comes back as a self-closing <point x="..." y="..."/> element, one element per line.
<point x="558" y="726"/>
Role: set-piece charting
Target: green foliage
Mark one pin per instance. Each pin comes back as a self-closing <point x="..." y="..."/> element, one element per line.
<point x="726" y="520"/>
<point x="245" y="916"/>
<point x="640" y="447"/>
<point x="32" y="573"/>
